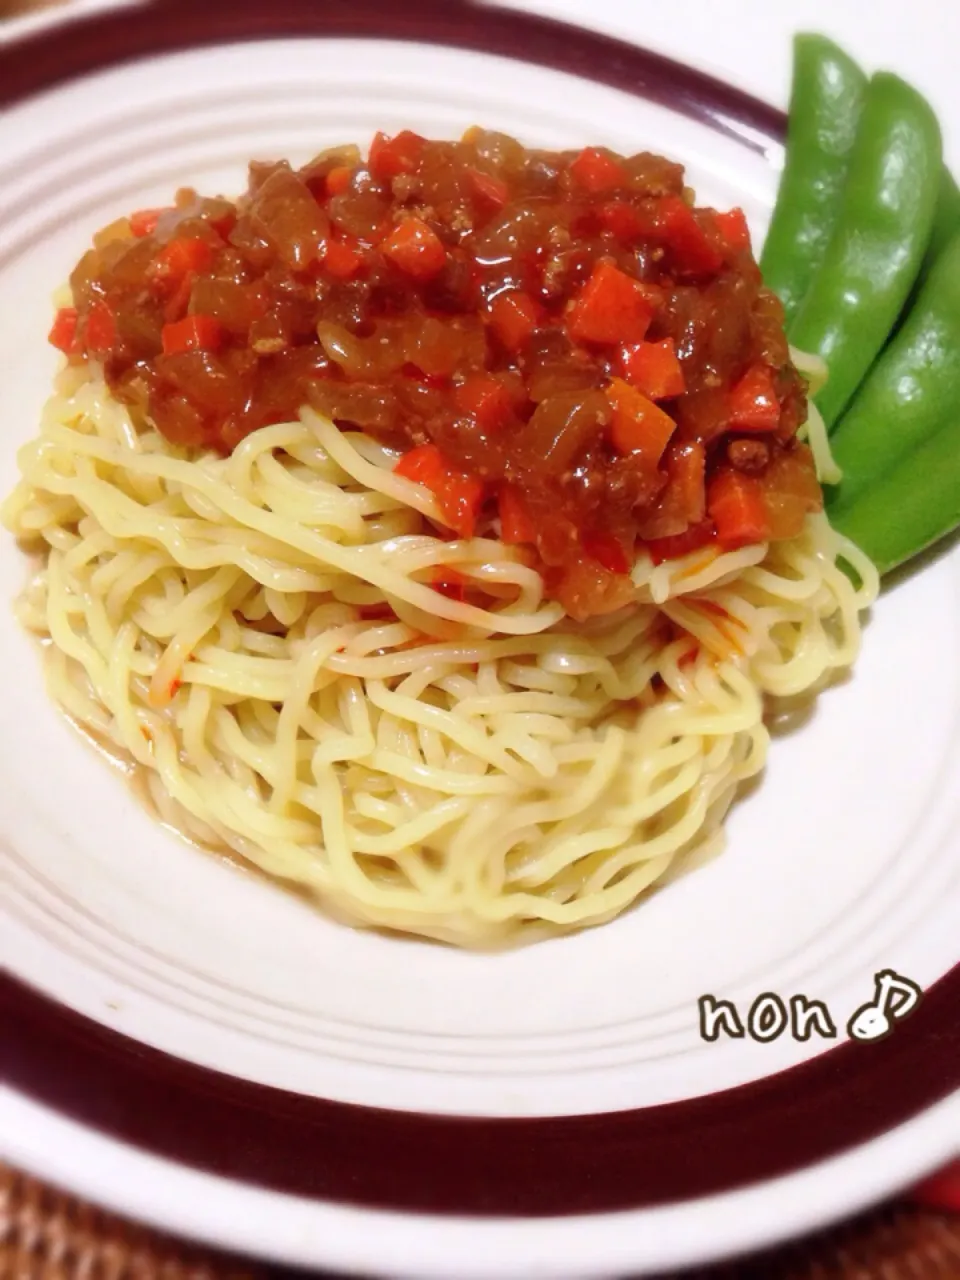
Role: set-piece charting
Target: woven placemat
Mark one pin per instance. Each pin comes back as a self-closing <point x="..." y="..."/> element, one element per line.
<point x="16" y="8"/>
<point x="45" y="1235"/>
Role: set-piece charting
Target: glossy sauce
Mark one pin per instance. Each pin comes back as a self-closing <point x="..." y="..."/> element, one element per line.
<point x="558" y="341"/>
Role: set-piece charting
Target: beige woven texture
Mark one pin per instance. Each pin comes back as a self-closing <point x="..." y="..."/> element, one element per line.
<point x="45" y="1235"/>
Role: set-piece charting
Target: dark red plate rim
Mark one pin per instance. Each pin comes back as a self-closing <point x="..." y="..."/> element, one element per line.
<point x="81" y="45"/>
<point x="405" y="1160"/>
<point x="477" y="1166"/>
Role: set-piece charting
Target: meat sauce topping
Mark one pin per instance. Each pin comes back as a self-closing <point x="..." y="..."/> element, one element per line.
<point x="556" y="341"/>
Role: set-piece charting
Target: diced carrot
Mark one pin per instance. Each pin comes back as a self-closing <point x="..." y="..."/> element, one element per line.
<point x="597" y="171"/>
<point x="611" y="307"/>
<point x="183" y="255"/>
<point x="736" y="506"/>
<point x="653" y="368"/>
<point x="514" y="317"/>
<point x="338" y="180"/>
<point x="734" y="229"/>
<point x="460" y="501"/>
<point x="681" y="544"/>
<point x="606" y="550"/>
<point x="685" y="237"/>
<point x="416" y="249"/>
<point x="686" y="466"/>
<point x="486" y="399"/>
<point x="621" y="219"/>
<point x="489" y="188"/>
<point x="101" y="328"/>
<point x="754" y="405"/>
<point x="389" y="157"/>
<point x="639" y="426"/>
<point x="144" y="221"/>
<point x="459" y="496"/>
<point x="193" y="333"/>
<point x="516" y="524"/>
<point x="342" y="258"/>
<point x="63" y="334"/>
<point x="423" y="465"/>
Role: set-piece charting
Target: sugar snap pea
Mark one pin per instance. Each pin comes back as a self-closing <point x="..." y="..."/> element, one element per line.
<point x="911" y="392"/>
<point x="946" y="220"/>
<point x="879" y="239"/>
<point x="911" y="507"/>
<point x="825" y="103"/>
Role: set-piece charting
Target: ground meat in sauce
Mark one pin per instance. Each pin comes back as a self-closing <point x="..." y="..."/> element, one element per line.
<point x="556" y="340"/>
<point x="751" y="456"/>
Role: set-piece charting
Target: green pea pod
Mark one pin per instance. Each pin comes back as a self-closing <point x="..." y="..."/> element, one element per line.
<point x="825" y="104"/>
<point x="911" y="391"/>
<point x="911" y="507"/>
<point x="946" y="220"/>
<point x="878" y="242"/>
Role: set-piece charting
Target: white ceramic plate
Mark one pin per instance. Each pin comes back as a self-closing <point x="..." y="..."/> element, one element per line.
<point x="336" y="1098"/>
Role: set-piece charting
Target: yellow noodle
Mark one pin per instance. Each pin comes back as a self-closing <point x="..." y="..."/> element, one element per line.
<point x="470" y="772"/>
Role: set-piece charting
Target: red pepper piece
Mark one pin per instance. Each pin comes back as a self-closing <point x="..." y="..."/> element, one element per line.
<point x="193" y="333"/>
<point x="753" y="401"/>
<point x="653" y="368"/>
<point x="611" y="307"/>
<point x="416" y="249"/>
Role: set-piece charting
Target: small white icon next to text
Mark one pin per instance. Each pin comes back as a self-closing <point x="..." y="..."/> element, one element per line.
<point x="894" y="997"/>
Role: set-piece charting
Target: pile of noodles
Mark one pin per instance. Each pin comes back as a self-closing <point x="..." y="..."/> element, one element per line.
<point x="464" y="771"/>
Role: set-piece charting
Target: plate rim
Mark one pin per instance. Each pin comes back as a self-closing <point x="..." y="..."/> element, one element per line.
<point x="494" y="1167"/>
<point x="39" y="60"/>
<point x="206" y="1208"/>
